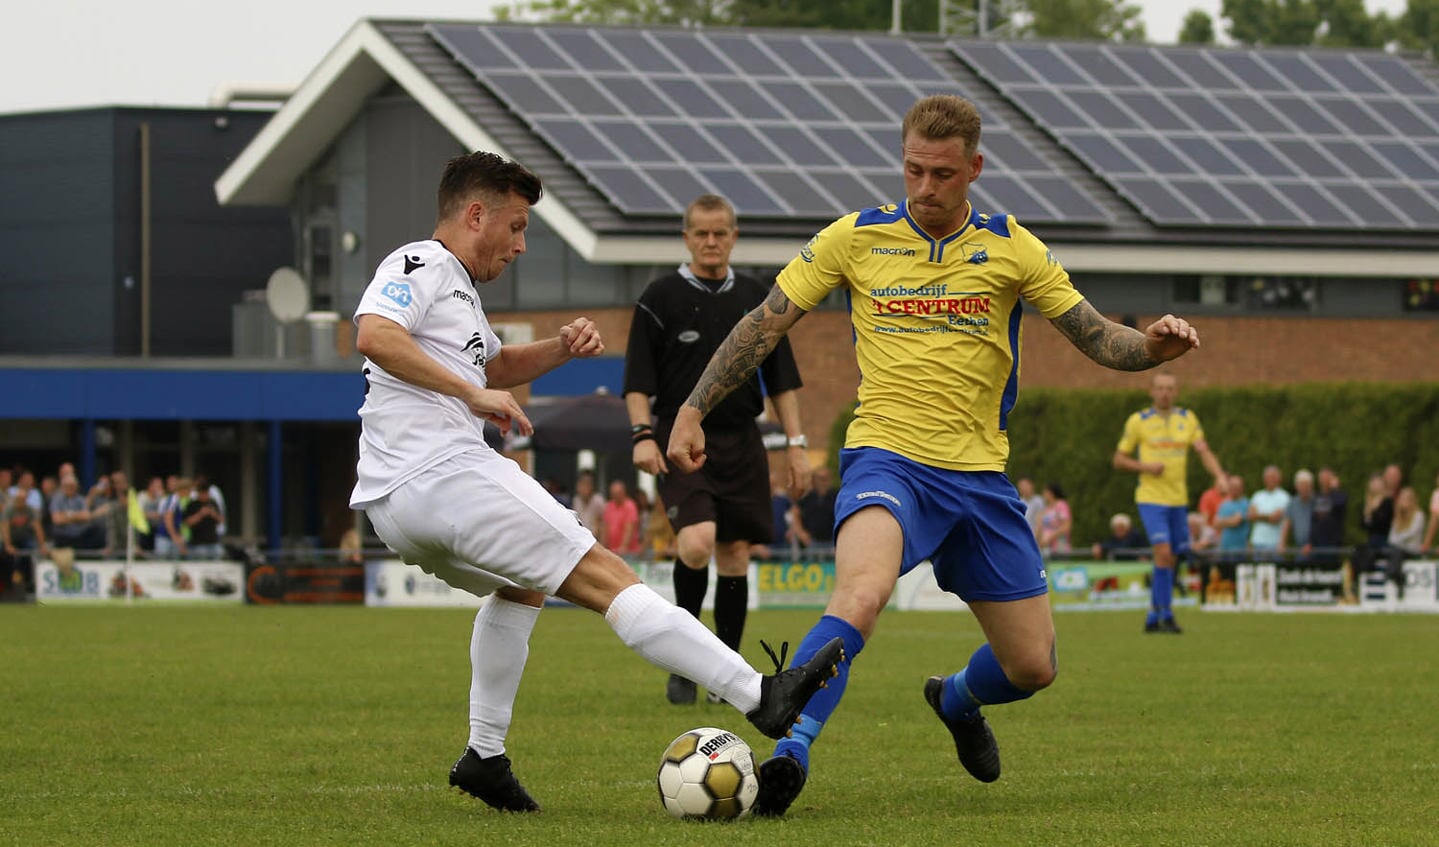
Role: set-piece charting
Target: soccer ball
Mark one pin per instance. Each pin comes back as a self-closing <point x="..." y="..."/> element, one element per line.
<point x="708" y="774"/>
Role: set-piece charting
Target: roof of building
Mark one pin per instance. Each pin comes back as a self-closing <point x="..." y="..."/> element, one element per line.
<point x="1128" y="190"/>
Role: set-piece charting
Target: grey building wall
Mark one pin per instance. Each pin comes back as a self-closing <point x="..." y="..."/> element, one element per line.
<point x="204" y="256"/>
<point x="70" y="229"/>
<point x="57" y="233"/>
<point x="387" y="166"/>
<point x="405" y="153"/>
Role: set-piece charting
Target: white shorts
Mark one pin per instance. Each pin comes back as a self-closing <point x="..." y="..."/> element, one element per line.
<point x="479" y="523"/>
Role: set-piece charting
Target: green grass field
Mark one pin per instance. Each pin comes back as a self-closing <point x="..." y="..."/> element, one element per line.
<point x="296" y="726"/>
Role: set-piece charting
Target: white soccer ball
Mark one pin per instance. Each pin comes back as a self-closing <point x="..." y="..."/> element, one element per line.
<point x="708" y="774"/>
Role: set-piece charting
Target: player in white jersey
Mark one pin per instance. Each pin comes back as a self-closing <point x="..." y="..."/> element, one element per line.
<point x="446" y="502"/>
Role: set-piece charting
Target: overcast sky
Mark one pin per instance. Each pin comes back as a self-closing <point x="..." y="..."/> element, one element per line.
<point x="62" y="54"/>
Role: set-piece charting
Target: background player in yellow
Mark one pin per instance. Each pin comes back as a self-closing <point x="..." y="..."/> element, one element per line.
<point x="935" y="288"/>
<point x="1162" y="436"/>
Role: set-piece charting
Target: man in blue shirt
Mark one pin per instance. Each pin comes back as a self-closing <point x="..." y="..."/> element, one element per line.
<point x="1232" y="520"/>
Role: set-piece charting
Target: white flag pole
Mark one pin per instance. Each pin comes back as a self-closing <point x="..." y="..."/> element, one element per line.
<point x="129" y="557"/>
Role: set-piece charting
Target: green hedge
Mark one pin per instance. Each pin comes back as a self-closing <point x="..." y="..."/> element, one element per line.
<point x="1069" y="436"/>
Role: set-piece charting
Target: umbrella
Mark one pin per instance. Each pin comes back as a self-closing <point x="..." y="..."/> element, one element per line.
<point x="596" y="422"/>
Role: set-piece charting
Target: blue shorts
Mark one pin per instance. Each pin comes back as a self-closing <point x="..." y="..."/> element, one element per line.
<point x="1166" y="525"/>
<point x="969" y="524"/>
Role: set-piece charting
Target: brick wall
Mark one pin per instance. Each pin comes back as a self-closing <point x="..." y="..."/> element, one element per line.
<point x="1235" y="351"/>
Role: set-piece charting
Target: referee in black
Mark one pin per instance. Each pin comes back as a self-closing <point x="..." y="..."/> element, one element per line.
<point x="723" y="508"/>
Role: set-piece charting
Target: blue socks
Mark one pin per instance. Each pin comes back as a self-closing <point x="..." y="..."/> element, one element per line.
<point x="1161" y="593"/>
<point x="824" y="701"/>
<point x="982" y="683"/>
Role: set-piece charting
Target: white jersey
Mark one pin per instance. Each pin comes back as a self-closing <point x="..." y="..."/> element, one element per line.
<point x="406" y="429"/>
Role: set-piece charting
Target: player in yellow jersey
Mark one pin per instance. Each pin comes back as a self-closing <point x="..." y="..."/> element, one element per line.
<point x="1162" y="435"/>
<point x="935" y="288"/>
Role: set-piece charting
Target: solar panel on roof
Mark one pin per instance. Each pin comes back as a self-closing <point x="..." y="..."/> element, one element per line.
<point x="782" y="124"/>
<point x="1400" y="115"/>
<point x="586" y="51"/>
<point x="1157" y="200"/>
<point x="1295" y="68"/>
<point x="1204" y="73"/>
<point x="1348" y="73"/>
<point x="1100" y="67"/>
<point x="1290" y="137"/>
<point x="1410" y="201"/>
<point x="1152" y="111"/>
<point x="800" y="194"/>
<point x="1317" y="205"/>
<point x="1397" y="76"/>
<point x="631" y="185"/>
<point x="1304" y="115"/>
<point x="1407" y="160"/>
<point x="1312" y="160"/>
<point x="1365" y="204"/>
<point x="1216" y="202"/>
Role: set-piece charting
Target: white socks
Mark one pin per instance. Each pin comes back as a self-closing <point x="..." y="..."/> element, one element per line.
<point x="498" y="650"/>
<point x="671" y="638"/>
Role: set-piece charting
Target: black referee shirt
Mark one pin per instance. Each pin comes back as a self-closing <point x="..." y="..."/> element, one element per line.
<point x="677" y="327"/>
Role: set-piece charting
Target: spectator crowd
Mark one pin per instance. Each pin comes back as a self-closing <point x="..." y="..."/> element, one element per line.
<point x="185" y="519"/>
<point x="1306" y="523"/>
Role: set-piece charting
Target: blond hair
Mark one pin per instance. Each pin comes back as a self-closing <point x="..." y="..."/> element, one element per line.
<point x="710" y="203"/>
<point x="943" y="116"/>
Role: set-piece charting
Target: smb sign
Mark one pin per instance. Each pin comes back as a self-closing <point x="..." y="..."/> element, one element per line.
<point x="795" y="584"/>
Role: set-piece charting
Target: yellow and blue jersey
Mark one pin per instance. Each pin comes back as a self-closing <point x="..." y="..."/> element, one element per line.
<point x="1165" y="439"/>
<point x="936" y="327"/>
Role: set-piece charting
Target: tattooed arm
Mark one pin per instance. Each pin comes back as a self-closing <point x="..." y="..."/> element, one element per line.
<point x="737" y="358"/>
<point x="1121" y="348"/>
<point x="742" y="351"/>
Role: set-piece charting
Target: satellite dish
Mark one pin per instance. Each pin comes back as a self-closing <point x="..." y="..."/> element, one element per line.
<point x="288" y="296"/>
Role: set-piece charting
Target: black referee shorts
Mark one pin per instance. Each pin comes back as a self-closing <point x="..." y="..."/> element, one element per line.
<point x="732" y="489"/>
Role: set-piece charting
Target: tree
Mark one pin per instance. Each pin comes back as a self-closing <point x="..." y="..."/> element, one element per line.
<point x="915" y="15"/>
<point x="1347" y="23"/>
<point x="1198" y="28"/>
<point x="1117" y="20"/>
<point x="674" y="12"/>
<point x="1332" y="23"/>
<point x="1418" y="27"/>
<point x="1112" y="20"/>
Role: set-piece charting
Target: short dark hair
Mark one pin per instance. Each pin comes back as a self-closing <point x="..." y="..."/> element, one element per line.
<point x="484" y="173"/>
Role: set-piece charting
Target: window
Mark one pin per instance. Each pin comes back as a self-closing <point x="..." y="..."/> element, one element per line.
<point x="1281" y="293"/>
<point x="319" y="262"/>
<point x="1249" y="293"/>
<point x="1421" y="295"/>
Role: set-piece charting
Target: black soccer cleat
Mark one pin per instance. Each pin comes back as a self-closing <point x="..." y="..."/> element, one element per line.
<point x="783" y="696"/>
<point x="679" y="690"/>
<point x="973" y="739"/>
<point x="1151" y="627"/>
<point x="781" y="779"/>
<point x="1170" y="625"/>
<point x="491" y="780"/>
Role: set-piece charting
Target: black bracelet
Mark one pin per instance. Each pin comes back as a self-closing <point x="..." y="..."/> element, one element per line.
<point x="638" y="428"/>
<point x="643" y="436"/>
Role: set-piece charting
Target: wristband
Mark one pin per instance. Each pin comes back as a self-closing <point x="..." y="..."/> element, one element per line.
<point x="636" y="429"/>
<point x="643" y="436"/>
